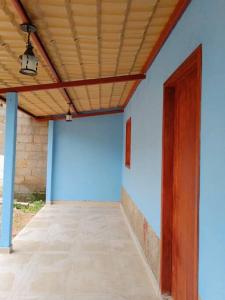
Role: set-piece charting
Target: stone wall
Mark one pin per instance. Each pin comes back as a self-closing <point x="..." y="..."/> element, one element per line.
<point x="146" y="236"/>
<point x="31" y="153"/>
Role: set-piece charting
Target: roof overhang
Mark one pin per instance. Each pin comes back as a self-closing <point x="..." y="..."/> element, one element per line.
<point x="92" y="55"/>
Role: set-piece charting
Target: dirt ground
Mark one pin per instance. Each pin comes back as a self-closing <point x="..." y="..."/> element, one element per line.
<point x="20" y="220"/>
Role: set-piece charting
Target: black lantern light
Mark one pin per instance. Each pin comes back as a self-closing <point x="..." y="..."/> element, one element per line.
<point x="69" y="116"/>
<point x="29" y="61"/>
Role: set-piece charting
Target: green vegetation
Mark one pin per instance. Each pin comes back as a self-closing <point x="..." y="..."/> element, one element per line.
<point x="34" y="197"/>
<point x="32" y="204"/>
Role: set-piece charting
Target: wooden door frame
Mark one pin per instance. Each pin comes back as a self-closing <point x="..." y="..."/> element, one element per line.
<point x="193" y="62"/>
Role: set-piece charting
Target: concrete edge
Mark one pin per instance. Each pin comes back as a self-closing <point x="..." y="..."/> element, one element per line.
<point x="30" y="221"/>
<point x="6" y="250"/>
<point x="142" y="255"/>
<point x="85" y="203"/>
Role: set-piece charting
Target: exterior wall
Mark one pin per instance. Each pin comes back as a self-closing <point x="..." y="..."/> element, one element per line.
<point x="203" y="23"/>
<point x="87" y="159"/>
<point x="147" y="238"/>
<point x="31" y="154"/>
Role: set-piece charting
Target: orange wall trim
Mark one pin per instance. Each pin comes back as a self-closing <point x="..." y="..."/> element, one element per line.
<point x="80" y="115"/>
<point x="128" y="144"/>
<point x="175" y="17"/>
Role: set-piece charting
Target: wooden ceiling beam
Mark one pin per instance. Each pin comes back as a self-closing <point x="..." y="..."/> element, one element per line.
<point x="81" y="115"/>
<point x="75" y="83"/>
<point x="39" y="45"/>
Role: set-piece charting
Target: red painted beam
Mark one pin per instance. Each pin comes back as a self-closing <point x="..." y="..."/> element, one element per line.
<point x="174" y="18"/>
<point x="39" y="45"/>
<point x="81" y="115"/>
<point x="66" y="84"/>
<point x="20" y="108"/>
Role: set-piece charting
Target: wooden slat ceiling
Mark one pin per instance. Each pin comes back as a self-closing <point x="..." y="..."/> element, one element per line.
<point x="84" y="39"/>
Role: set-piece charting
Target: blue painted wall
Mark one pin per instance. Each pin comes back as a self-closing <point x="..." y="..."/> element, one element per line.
<point x="87" y="159"/>
<point x="203" y="22"/>
<point x="51" y="125"/>
<point x="9" y="170"/>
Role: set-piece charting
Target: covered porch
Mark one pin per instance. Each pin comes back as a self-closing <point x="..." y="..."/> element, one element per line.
<point x="82" y="251"/>
<point x="133" y="95"/>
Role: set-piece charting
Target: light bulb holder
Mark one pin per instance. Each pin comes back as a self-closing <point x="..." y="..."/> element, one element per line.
<point x="29" y="28"/>
<point x="69" y="116"/>
<point x="29" y="61"/>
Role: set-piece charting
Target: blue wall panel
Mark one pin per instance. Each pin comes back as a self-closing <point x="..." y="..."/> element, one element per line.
<point x="9" y="170"/>
<point x="203" y="22"/>
<point x="50" y="161"/>
<point x="87" y="159"/>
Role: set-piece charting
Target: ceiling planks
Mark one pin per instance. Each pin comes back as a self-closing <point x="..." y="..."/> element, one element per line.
<point x="84" y="39"/>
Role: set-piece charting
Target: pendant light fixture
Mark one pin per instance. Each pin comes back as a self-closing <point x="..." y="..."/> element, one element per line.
<point x="69" y="116"/>
<point x="29" y="61"/>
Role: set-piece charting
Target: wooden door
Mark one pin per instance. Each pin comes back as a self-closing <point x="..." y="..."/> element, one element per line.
<point x="180" y="190"/>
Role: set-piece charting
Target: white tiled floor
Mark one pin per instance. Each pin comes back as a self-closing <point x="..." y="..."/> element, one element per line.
<point x="80" y="251"/>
